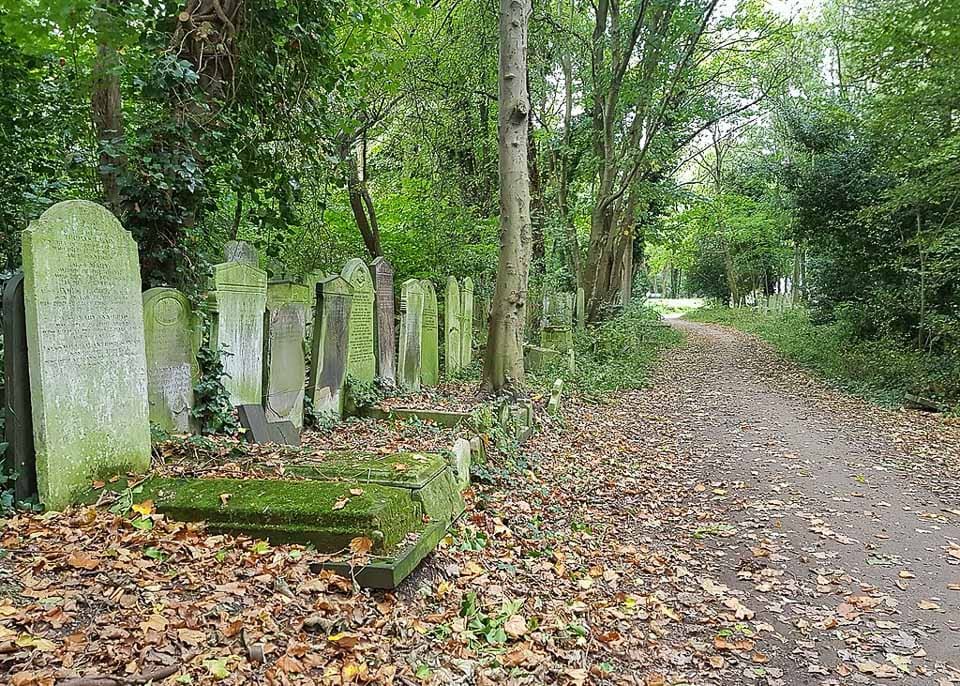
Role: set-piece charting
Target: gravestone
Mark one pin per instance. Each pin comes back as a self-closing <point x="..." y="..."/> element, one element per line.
<point x="257" y="428"/>
<point x="556" y="330"/>
<point x="466" y="329"/>
<point x="411" y="335"/>
<point x="238" y="301"/>
<point x="385" y="337"/>
<point x="452" y="321"/>
<point x="581" y="309"/>
<point x="310" y="281"/>
<point x="240" y="251"/>
<point x="284" y="368"/>
<point x="430" y="342"/>
<point x="361" y="360"/>
<point x="88" y="369"/>
<point x="328" y="361"/>
<point x="18" y="422"/>
<point x="172" y="369"/>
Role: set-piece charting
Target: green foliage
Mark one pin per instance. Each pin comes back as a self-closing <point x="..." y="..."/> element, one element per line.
<point x="614" y="355"/>
<point x="362" y="394"/>
<point x="882" y="370"/>
<point x="211" y="402"/>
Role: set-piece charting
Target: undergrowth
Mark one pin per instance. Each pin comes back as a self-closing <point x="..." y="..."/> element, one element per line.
<point x="882" y="371"/>
<point x="617" y="354"/>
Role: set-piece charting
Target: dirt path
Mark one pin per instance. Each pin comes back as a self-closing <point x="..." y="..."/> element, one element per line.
<point x="836" y="523"/>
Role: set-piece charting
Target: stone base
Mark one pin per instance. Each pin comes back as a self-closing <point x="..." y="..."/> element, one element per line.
<point x="557" y="338"/>
<point x="444" y="418"/>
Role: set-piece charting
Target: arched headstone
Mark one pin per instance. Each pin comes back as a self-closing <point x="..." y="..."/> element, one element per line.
<point x="172" y="368"/>
<point x="88" y="368"/>
<point x="385" y="337"/>
<point x="361" y="360"/>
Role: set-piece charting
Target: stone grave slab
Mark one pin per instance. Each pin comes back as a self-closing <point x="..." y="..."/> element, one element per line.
<point x="284" y="367"/>
<point x="385" y="337"/>
<point x="238" y="302"/>
<point x="88" y="369"/>
<point x="452" y="322"/>
<point x="18" y="421"/>
<point x="328" y="361"/>
<point x="172" y="369"/>
<point x="361" y="359"/>
<point x="430" y="341"/>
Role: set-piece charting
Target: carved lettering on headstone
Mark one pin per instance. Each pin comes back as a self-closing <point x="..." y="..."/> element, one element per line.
<point x="385" y="338"/>
<point x="328" y="365"/>
<point x="430" y="343"/>
<point x="361" y="360"/>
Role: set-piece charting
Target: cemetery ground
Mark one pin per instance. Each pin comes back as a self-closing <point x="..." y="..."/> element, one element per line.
<point x="737" y="522"/>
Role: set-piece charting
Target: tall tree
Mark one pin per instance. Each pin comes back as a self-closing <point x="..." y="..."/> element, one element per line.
<point x="503" y="361"/>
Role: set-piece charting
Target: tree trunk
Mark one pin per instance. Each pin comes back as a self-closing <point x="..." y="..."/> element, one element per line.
<point x="362" y="204"/>
<point x="537" y="213"/>
<point x="503" y="359"/>
<point x="107" y="115"/>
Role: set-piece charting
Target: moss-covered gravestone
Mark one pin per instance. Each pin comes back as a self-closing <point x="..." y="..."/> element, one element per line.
<point x="328" y="362"/>
<point x="430" y="341"/>
<point x="385" y="335"/>
<point x="88" y="369"/>
<point x="556" y="332"/>
<point x="581" y="309"/>
<point x="284" y="369"/>
<point x="411" y="334"/>
<point x="172" y="369"/>
<point x="19" y="457"/>
<point x="466" y="310"/>
<point x="361" y="360"/>
<point x="452" y="320"/>
<point x="238" y="301"/>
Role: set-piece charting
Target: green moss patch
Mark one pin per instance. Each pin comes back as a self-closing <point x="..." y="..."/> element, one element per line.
<point x="404" y="470"/>
<point x="325" y="514"/>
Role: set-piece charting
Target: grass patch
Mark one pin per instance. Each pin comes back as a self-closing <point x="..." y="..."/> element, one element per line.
<point x="882" y="371"/>
<point x="615" y="355"/>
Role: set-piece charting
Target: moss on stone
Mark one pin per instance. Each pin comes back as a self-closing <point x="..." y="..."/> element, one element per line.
<point x="291" y="511"/>
<point x="405" y="470"/>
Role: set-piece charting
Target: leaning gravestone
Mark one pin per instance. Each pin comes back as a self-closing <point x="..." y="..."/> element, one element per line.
<point x="411" y="335"/>
<point x="451" y="326"/>
<point x="430" y="343"/>
<point x="466" y="310"/>
<point x="238" y="301"/>
<point x="284" y="368"/>
<point x="240" y="251"/>
<point x="581" y="309"/>
<point x="328" y="362"/>
<point x="88" y="369"/>
<point x="18" y="422"/>
<point x="172" y="369"/>
<point x="385" y="336"/>
<point x="361" y="360"/>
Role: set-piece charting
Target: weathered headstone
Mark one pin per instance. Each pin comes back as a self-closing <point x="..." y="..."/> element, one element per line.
<point x="361" y="360"/>
<point x="238" y="301"/>
<point x="385" y="337"/>
<point x="257" y="429"/>
<point x="328" y="362"/>
<point x="581" y="308"/>
<point x="172" y="369"/>
<point x="430" y="343"/>
<point x="556" y="332"/>
<point x="461" y="461"/>
<point x="88" y="369"/>
<point x="310" y="281"/>
<point x="411" y="335"/>
<point x="284" y="368"/>
<point x="466" y="329"/>
<point x="452" y="321"/>
<point x="240" y="251"/>
<point x="556" y="394"/>
<point x="18" y="422"/>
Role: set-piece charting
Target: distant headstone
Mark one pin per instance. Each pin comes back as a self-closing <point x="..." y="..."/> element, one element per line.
<point x="385" y="336"/>
<point x="581" y="308"/>
<point x="466" y="329"/>
<point x="172" y="369"/>
<point x="238" y="301"/>
<point x="461" y="461"/>
<point x="18" y="422"/>
<point x="430" y="344"/>
<point x="284" y="368"/>
<point x="328" y="361"/>
<point x="411" y="335"/>
<point x="556" y="394"/>
<point x="452" y="321"/>
<point x="88" y="369"/>
<point x="361" y="360"/>
<point x="240" y="251"/>
<point x="557" y="330"/>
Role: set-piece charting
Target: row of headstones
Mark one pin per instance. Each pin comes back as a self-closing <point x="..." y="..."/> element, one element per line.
<point x="90" y="360"/>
